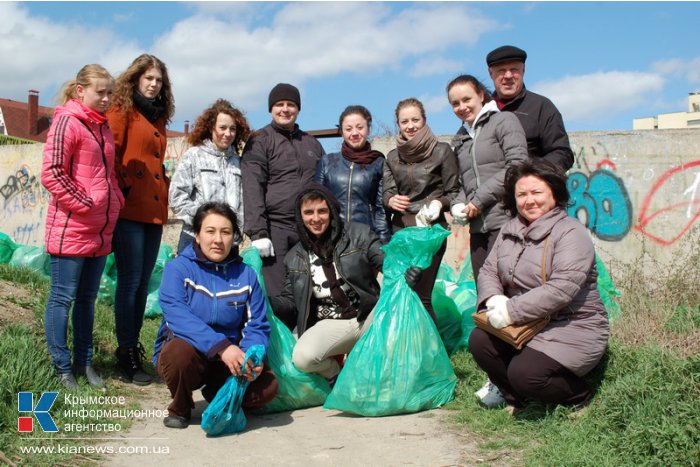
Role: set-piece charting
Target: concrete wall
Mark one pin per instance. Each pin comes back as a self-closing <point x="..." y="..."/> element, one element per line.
<point x="635" y="190"/>
<point x="23" y="200"/>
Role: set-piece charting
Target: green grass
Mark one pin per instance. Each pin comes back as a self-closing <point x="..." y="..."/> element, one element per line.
<point x="646" y="410"/>
<point x="29" y="369"/>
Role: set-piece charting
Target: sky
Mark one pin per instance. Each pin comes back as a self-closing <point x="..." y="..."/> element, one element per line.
<point x="601" y="63"/>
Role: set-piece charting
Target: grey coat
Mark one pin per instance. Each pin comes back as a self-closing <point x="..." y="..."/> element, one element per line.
<point x="578" y="333"/>
<point x="498" y="142"/>
<point x="203" y="174"/>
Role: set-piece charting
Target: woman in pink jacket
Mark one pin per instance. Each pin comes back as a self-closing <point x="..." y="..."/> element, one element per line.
<point x="78" y="171"/>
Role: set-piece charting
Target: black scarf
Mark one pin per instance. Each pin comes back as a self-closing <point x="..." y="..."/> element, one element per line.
<point x="324" y="246"/>
<point x="152" y="109"/>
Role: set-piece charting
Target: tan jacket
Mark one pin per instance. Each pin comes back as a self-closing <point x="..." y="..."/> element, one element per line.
<point x="578" y="333"/>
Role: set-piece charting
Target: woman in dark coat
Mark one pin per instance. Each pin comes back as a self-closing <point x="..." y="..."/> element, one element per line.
<point x="421" y="178"/>
<point x="355" y="174"/>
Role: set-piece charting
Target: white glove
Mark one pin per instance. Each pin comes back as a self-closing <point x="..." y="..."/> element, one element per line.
<point x="428" y="213"/>
<point x="460" y="217"/>
<point x="264" y="247"/>
<point x="497" y="311"/>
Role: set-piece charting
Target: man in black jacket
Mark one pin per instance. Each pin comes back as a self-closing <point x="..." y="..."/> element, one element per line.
<point x="330" y="289"/>
<point x="277" y="161"/>
<point x="542" y="122"/>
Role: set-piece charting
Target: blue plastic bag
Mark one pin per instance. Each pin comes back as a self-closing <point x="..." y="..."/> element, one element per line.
<point x="400" y="364"/>
<point x="225" y="415"/>
<point x="297" y="390"/>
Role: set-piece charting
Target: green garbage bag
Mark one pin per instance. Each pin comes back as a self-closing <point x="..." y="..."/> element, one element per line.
<point x="165" y="254"/>
<point x="400" y="364"/>
<point x="454" y="301"/>
<point x="32" y="257"/>
<point x="225" y="415"/>
<point x="108" y="282"/>
<point x="297" y="389"/>
<point x="153" y="309"/>
<point x="448" y="316"/>
<point x="607" y="290"/>
<point x="7" y="247"/>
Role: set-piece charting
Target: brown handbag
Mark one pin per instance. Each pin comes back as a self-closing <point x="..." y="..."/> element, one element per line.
<point x="516" y="335"/>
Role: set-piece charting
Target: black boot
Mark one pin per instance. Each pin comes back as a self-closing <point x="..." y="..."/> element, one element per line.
<point x="129" y="361"/>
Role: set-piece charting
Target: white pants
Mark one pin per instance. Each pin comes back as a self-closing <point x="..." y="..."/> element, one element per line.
<point x="329" y="337"/>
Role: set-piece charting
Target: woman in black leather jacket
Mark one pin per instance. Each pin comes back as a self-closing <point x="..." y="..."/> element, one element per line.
<point x="421" y="178"/>
<point x="354" y="175"/>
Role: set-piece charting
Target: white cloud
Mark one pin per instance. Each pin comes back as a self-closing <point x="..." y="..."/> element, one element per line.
<point x="434" y="66"/>
<point x="599" y="95"/>
<point x="239" y="50"/>
<point x="687" y="69"/>
<point x="433" y="104"/>
<point x="209" y="57"/>
<point x="41" y="54"/>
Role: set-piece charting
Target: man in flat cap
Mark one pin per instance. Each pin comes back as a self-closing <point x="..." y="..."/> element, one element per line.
<point x="543" y="124"/>
<point x="277" y="162"/>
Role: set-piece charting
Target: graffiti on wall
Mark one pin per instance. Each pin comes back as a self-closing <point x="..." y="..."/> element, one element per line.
<point x="679" y="208"/>
<point x="601" y="202"/>
<point x="22" y="192"/>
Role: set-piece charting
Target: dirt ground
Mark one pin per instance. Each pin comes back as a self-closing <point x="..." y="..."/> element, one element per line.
<point x="309" y="437"/>
<point x="14" y="306"/>
<point x="306" y="437"/>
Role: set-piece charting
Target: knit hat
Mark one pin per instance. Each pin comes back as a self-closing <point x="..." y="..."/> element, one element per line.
<point x="505" y="53"/>
<point x="284" y="92"/>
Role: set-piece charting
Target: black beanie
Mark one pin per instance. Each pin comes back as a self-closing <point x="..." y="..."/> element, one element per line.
<point x="283" y="92"/>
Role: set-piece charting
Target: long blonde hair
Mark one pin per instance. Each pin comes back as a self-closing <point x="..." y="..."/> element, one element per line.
<point x="85" y="77"/>
<point x="123" y="99"/>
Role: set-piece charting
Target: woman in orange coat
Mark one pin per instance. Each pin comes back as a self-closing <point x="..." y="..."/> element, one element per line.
<point x="142" y="105"/>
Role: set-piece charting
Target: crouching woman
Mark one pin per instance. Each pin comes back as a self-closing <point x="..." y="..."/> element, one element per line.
<point x="213" y="311"/>
<point x="542" y="264"/>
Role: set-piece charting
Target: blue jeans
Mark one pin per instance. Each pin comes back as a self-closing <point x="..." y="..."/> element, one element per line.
<point x="135" y="247"/>
<point x="74" y="280"/>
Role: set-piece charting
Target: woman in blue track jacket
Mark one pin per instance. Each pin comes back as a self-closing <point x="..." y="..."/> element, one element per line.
<point x="213" y="312"/>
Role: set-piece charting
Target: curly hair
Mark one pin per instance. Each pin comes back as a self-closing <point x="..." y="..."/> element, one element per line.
<point x="206" y="121"/>
<point x="542" y="169"/>
<point x="85" y="77"/>
<point x="122" y="98"/>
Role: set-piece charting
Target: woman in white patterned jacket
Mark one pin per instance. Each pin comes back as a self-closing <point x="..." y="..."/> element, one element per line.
<point x="211" y="169"/>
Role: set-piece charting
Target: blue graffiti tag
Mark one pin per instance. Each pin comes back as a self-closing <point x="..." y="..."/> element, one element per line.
<point x="602" y="203"/>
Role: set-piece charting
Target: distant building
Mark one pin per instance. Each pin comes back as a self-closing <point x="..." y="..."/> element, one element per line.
<point x="689" y="119"/>
<point x="31" y="121"/>
<point x="25" y="120"/>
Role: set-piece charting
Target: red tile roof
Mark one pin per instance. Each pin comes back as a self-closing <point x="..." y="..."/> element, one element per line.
<point x="17" y="122"/>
